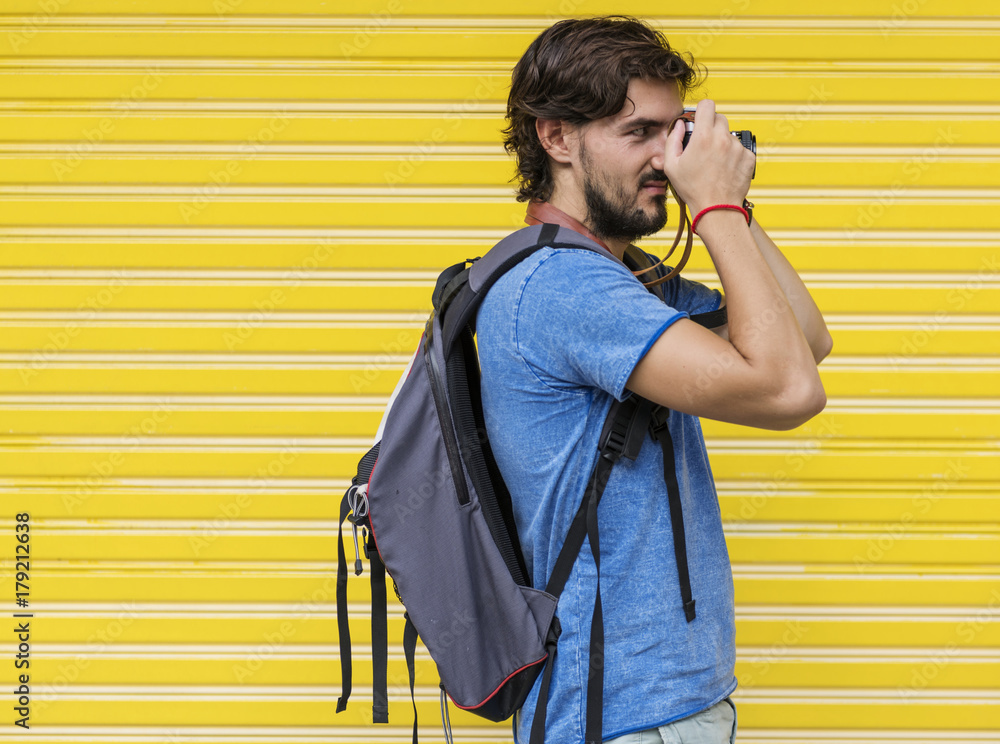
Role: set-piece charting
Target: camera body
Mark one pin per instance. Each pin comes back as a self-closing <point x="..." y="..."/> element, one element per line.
<point x="747" y="138"/>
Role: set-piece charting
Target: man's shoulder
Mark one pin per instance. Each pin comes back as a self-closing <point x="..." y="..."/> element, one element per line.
<point x="564" y="270"/>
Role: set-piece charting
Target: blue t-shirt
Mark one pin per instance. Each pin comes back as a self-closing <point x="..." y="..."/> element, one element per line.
<point x="558" y="338"/>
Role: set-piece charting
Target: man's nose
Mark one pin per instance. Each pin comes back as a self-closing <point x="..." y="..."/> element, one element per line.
<point x="659" y="149"/>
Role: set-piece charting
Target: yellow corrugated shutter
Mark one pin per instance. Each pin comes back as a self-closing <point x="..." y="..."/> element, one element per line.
<point x="220" y="223"/>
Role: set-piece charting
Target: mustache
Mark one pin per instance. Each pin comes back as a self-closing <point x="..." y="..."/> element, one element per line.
<point x="652" y="176"/>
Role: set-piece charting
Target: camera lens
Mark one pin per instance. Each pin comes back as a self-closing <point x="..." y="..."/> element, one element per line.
<point x="747" y="138"/>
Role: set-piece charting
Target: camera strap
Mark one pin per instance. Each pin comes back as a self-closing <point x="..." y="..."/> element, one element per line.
<point x="684" y="223"/>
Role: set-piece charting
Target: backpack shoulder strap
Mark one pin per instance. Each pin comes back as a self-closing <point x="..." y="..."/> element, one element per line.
<point x="462" y="305"/>
<point x="622" y="436"/>
<point x="660" y="431"/>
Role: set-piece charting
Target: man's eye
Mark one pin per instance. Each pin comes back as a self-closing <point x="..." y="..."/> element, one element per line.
<point x="640" y="132"/>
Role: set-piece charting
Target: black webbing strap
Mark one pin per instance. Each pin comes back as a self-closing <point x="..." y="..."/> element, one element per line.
<point x="595" y="675"/>
<point x="624" y="430"/>
<point x="661" y="432"/>
<point x="547" y="235"/>
<point x="343" y="626"/>
<point x="410" y="650"/>
<point x="712" y="319"/>
<point x="366" y="465"/>
<point x="350" y="503"/>
<point x="541" y="706"/>
<point x="380" y="637"/>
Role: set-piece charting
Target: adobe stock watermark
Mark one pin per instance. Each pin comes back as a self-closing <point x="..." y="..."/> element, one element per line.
<point x="228" y="512"/>
<point x="709" y="373"/>
<point x="254" y="661"/>
<point x="714" y="28"/>
<point x="957" y="300"/>
<point x="58" y="341"/>
<point x="901" y="14"/>
<point x="249" y="150"/>
<point x="405" y="505"/>
<point x="565" y="9"/>
<point x="965" y="634"/>
<point x="914" y="169"/>
<point x="795" y="460"/>
<point x="877" y="547"/>
<point x="454" y="116"/>
<point x="371" y="28"/>
<point x="792" y="122"/>
<point x="403" y="343"/>
<point x="102" y="471"/>
<point x="761" y="663"/>
<point x="68" y="672"/>
<point x="266" y="307"/>
<point x="124" y="107"/>
<point x="34" y="24"/>
<point x="223" y="8"/>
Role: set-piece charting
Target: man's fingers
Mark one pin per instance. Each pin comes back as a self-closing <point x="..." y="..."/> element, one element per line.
<point x="675" y="140"/>
<point x="705" y="110"/>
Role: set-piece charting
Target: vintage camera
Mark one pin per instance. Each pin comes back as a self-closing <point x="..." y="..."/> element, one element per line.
<point x="747" y="138"/>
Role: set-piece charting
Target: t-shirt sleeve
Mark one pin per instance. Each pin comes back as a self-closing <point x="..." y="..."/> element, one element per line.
<point x="690" y="296"/>
<point x="583" y="321"/>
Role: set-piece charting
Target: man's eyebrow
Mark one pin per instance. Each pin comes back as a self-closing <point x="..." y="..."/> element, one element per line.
<point x="646" y="121"/>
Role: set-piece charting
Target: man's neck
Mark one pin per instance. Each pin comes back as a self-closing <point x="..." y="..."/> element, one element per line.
<point x="539" y="211"/>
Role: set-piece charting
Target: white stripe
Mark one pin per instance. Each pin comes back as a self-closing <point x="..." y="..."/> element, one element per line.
<point x="340" y="403"/>
<point x="362" y="610"/>
<point x="452" y="152"/>
<point x="392" y="398"/>
<point x="861" y="736"/>
<point x="292" y="652"/>
<point x="423" y="279"/>
<point x="789" y="530"/>
<point x="413" y="320"/>
<point x="276" y="360"/>
<point x="446" y="236"/>
<point x="258" y="734"/>
<point x="488" y="22"/>
<point x="853" y="696"/>
<point x="373" y="404"/>
<point x="450" y="195"/>
<point x="394" y="362"/>
<point x="494" y="109"/>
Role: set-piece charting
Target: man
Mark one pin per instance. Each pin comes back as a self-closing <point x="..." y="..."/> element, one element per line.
<point x="593" y="122"/>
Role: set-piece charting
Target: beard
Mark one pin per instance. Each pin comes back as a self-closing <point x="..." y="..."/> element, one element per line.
<point x="613" y="210"/>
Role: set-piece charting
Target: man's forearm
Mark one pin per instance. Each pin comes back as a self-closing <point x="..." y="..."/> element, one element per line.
<point x="761" y="328"/>
<point x="809" y="318"/>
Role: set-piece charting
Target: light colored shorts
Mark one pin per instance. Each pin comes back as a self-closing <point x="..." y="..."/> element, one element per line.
<point x="715" y="725"/>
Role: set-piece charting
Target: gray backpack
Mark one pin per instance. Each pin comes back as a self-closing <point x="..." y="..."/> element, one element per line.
<point x="434" y="513"/>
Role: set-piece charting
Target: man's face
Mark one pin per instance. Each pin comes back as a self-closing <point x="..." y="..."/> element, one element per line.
<point x="621" y="159"/>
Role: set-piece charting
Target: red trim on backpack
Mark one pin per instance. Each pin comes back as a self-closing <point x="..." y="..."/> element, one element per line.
<point x="371" y="526"/>
<point x="512" y="675"/>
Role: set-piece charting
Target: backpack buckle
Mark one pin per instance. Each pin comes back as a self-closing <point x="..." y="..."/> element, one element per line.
<point x="614" y="445"/>
<point x="659" y="421"/>
<point x="357" y="499"/>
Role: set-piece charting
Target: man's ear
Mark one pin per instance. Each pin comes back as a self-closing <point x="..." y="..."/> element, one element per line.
<point x="552" y="133"/>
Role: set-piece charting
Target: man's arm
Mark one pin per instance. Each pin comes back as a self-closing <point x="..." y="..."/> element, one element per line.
<point x="765" y="373"/>
<point x="806" y="313"/>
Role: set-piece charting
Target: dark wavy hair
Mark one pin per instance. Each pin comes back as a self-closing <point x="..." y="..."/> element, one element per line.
<point x="578" y="70"/>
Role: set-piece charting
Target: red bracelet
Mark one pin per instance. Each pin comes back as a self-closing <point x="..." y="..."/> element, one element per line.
<point x="694" y="222"/>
